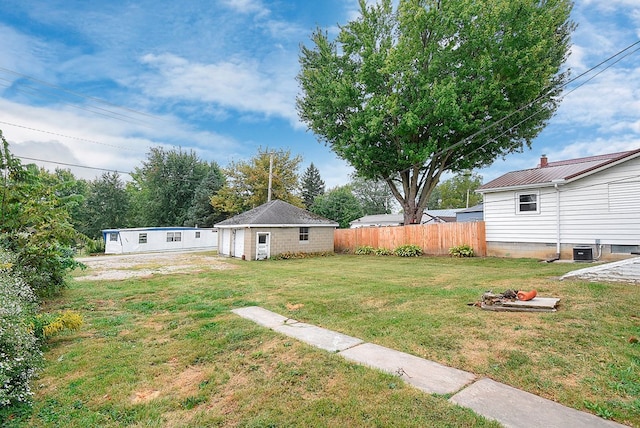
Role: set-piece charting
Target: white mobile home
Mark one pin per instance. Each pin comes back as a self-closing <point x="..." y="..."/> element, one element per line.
<point x="149" y="239"/>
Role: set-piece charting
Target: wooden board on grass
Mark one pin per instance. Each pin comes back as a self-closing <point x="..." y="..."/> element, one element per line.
<point x="537" y="304"/>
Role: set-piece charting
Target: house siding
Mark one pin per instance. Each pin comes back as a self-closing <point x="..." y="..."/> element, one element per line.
<point x="602" y="208"/>
<point x="156" y="240"/>
<point x="503" y="224"/>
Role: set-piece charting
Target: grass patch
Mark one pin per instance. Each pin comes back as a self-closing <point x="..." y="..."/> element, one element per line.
<point x="166" y="351"/>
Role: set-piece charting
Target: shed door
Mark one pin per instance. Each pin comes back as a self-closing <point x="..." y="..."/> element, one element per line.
<point x="263" y="248"/>
<point x="238" y="243"/>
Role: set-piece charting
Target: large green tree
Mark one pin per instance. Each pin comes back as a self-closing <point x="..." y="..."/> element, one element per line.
<point x="311" y="185"/>
<point x="163" y="188"/>
<point x="107" y="205"/>
<point x="374" y="195"/>
<point x="247" y="182"/>
<point x="457" y="192"/>
<point x="431" y="86"/>
<point x="201" y="213"/>
<point x="338" y="204"/>
<point x="71" y="191"/>
<point x="34" y="224"/>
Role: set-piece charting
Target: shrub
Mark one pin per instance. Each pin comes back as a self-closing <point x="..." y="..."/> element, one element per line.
<point x="408" y="251"/>
<point x="461" y="251"/>
<point x="383" y="252"/>
<point x="20" y="354"/>
<point x="48" y="325"/>
<point x="365" y="250"/>
<point x="93" y="246"/>
<point x="288" y="255"/>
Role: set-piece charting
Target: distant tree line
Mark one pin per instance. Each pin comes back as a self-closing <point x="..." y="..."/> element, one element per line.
<point x="174" y="187"/>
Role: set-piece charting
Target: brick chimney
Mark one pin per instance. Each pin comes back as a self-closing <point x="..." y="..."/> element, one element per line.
<point x="543" y="161"/>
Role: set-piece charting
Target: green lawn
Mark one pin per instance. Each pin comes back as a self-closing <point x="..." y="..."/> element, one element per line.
<point x="166" y="351"/>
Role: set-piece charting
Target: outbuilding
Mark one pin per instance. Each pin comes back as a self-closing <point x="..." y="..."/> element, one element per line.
<point x="274" y="228"/>
<point x="150" y="239"/>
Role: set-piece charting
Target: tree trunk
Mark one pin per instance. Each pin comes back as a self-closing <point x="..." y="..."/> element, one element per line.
<point x="412" y="214"/>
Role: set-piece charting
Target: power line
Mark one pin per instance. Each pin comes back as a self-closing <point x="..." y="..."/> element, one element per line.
<point x="487" y="127"/>
<point x="91" y="109"/>
<point x="72" y="165"/>
<point x="77" y="94"/>
<point x="572" y="90"/>
<point x="174" y="179"/>
<point x="65" y="136"/>
<point x="497" y="122"/>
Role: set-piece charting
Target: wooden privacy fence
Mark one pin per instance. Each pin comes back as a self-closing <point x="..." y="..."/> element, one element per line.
<point x="434" y="239"/>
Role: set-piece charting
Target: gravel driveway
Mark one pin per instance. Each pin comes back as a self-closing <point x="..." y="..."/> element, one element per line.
<point x="118" y="267"/>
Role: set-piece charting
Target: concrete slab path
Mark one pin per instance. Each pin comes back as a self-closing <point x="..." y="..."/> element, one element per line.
<point x="426" y="375"/>
<point x="515" y="408"/>
<point x="511" y="407"/>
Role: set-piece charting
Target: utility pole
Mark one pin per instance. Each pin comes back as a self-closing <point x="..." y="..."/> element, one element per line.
<point x="270" y="176"/>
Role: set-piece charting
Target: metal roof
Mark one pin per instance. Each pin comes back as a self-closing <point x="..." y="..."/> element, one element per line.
<point x="553" y="171"/>
<point x="276" y="213"/>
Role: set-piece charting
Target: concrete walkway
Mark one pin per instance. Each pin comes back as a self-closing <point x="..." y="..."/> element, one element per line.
<point x="509" y="406"/>
<point x="627" y="270"/>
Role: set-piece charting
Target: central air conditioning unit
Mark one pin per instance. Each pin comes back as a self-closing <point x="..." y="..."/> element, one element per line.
<point x="583" y="254"/>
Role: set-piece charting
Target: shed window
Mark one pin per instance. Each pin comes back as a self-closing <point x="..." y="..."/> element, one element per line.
<point x="174" y="236"/>
<point x="527" y="203"/>
<point x="113" y="236"/>
<point x="304" y="233"/>
<point x="142" y="238"/>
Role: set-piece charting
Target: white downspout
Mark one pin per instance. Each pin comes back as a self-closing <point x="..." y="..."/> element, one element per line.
<point x="557" y="221"/>
<point x="556" y="184"/>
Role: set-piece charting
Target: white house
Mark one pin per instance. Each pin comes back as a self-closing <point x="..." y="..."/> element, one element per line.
<point x="585" y="208"/>
<point x="274" y="228"/>
<point x="429" y="217"/>
<point x="149" y="239"/>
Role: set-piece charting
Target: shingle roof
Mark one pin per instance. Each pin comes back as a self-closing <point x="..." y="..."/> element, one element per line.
<point x="277" y="213"/>
<point x="560" y="170"/>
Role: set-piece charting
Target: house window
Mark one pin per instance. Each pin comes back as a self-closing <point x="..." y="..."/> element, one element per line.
<point x="174" y="236"/>
<point x="304" y="233"/>
<point x="197" y="235"/>
<point x="142" y="238"/>
<point x="527" y="203"/>
<point x="113" y="236"/>
<point x="625" y="249"/>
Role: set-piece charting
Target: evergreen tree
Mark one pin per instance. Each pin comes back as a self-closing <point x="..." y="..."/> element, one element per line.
<point x="107" y="205"/>
<point x="201" y="213"/>
<point x="312" y="185"/>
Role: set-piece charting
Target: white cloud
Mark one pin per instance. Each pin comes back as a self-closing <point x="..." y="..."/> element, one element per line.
<point x="238" y="84"/>
<point x="609" y="102"/>
<point x="247" y="7"/>
<point x="334" y="171"/>
<point x="19" y="53"/>
<point x="67" y="136"/>
<point x="595" y="147"/>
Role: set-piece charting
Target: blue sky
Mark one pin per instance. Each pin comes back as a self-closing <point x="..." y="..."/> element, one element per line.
<point x="99" y="83"/>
